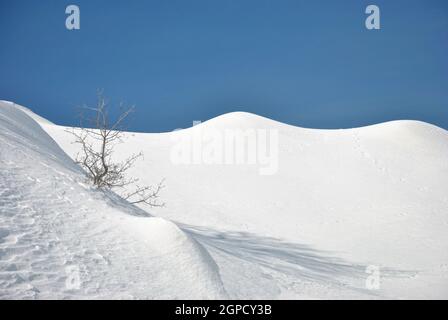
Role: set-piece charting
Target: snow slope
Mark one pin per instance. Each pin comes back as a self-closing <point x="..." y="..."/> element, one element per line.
<point x="54" y="228"/>
<point x="341" y="200"/>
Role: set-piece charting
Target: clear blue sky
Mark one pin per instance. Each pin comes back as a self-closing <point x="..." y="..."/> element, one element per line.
<point x="309" y="63"/>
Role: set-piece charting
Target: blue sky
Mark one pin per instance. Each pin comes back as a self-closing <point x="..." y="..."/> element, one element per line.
<point x="307" y="63"/>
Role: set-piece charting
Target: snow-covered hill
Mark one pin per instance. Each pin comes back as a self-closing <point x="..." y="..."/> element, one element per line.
<point x="56" y="230"/>
<point x="307" y="221"/>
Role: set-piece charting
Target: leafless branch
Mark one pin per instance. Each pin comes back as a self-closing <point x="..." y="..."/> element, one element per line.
<point x="98" y="141"/>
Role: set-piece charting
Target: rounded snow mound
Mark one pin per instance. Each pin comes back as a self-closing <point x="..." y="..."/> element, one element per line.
<point x="30" y="113"/>
<point x="194" y="266"/>
<point x="240" y="119"/>
<point x="62" y="239"/>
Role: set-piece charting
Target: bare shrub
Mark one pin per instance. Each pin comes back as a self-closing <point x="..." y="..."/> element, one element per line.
<point x="98" y="136"/>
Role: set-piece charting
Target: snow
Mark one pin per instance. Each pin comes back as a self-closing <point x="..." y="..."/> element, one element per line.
<point x="52" y="223"/>
<point x="30" y="113"/>
<point x="339" y="202"/>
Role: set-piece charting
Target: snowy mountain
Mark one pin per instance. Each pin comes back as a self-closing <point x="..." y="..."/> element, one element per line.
<point x="315" y="214"/>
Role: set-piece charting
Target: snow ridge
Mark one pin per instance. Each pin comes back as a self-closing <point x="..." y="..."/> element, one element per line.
<point x="54" y="227"/>
<point x="342" y="201"/>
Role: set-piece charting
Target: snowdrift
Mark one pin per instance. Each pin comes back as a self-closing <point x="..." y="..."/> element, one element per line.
<point x="340" y="204"/>
<point x="370" y="196"/>
<point x="60" y="239"/>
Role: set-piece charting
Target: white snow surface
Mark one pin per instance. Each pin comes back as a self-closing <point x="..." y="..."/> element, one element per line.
<point x="52" y="223"/>
<point x="341" y="200"/>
